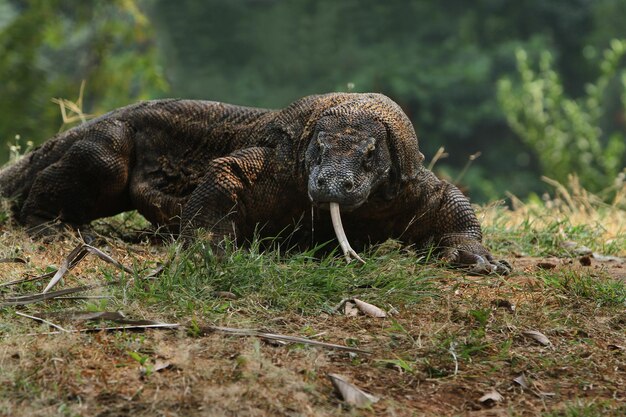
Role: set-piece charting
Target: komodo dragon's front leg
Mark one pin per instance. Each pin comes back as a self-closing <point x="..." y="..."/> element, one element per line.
<point x="236" y="192"/>
<point x="460" y="235"/>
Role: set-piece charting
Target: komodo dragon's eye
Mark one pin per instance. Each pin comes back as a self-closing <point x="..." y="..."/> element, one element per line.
<point x="321" y="146"/>
<point x="319" y="138"/>
<point x="369" y="154"/>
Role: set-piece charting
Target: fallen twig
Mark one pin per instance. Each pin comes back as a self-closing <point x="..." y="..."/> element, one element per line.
<point x="274" y="336"/>
<point x="29" y="279"/>
<point x="49" y="323"/>
<point x="106" y="329"/>
<point x="35" y="298"/>
<point x="86" y="297"/>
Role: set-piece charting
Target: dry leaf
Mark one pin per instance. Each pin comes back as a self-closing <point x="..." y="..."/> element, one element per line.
<point x="369" y="309"/>
<point x="350" y="309"/>
<point x="227" y="295"/>
<point x="575" y="248"/>
<point x="505" y="304"/>
<point x="350" y="393"/>
<point x="538" y="337"/>
<point x="491" y="397"/>
<point x="546" y="265"/>
<point x="522" y="381"/>
<point x="161" y="365"/>
<point x="609" y="258"/>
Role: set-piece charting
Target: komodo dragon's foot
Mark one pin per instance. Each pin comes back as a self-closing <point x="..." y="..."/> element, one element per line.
<point x="477" y="260"/>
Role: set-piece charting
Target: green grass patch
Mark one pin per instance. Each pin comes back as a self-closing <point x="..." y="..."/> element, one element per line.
<point x="588" y="409"/>
<point x="558" y="238"/>
<point x="574" y="284"/>
<point x="304" y="282"/>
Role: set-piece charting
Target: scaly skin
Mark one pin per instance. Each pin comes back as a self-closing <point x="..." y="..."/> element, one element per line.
<point x="233" y="171"/>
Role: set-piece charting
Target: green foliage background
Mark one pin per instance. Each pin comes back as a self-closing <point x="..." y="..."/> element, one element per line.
<point x="441" y="61"/>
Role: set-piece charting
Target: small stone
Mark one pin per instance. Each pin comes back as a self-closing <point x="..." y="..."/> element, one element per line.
<point x="585" y="260"/>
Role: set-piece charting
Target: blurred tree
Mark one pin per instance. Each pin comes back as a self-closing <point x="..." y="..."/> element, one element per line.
<point x="47" y="47"/>
<point x="571" y="135"/>
<point x="438" y="60"/>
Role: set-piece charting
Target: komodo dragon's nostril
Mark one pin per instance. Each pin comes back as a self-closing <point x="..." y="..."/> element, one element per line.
<point x="320" y="181"/>
<point x="348" y="185"/>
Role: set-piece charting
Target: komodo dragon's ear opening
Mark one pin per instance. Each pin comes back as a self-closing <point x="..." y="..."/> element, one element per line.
<point x="406" y="159"/>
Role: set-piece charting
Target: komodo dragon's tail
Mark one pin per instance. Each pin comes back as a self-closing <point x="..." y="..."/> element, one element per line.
<point x="16" y="179"/>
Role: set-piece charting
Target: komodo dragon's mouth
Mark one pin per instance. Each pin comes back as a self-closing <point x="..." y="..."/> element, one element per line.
<point x="335" y="215"/>
<point x="348" y="252"/>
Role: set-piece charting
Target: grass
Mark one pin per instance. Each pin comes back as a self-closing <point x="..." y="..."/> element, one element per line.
<point x="305" y="283"/>
<point x="450" y="338"/>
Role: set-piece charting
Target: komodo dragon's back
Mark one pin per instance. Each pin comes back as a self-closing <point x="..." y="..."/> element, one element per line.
<point x="235" y="171"/>
<point x="141" y="143"/>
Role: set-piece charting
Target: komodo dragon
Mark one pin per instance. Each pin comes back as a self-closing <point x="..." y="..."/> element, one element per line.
<point x="235" y="171"/>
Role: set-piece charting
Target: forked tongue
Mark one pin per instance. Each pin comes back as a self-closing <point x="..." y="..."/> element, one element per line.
<point x="348" y="252"/>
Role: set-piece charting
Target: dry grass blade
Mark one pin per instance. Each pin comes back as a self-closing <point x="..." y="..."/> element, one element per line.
<point x="74" y="257"/>
<point x="35" y="298"/>
<point x="47" y="275"/>
<point x="88" y="315"/>
<point x="87" y="297"/>
<point x="440" y="154"/>
<point x="107" y="258"/>
<point x="12" y="261"/>
<point x="369" y="309"/>
<point x="114" y="316"/>
<point x="29" y="279"/>
<point x="274" y="336"/>
<point x="155" y="272"/>
<point x="350" y="393"/>
<point x="136" y="322"/>
<point x="49" y="323"/>
<point x="73" y="107"/>
<point x="113" y="328"/>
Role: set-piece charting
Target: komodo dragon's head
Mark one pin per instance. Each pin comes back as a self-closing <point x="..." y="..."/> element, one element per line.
<point x="361" y="144"/>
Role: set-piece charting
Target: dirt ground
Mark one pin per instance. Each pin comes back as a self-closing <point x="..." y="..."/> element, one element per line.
<point x="430" y="358"/>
